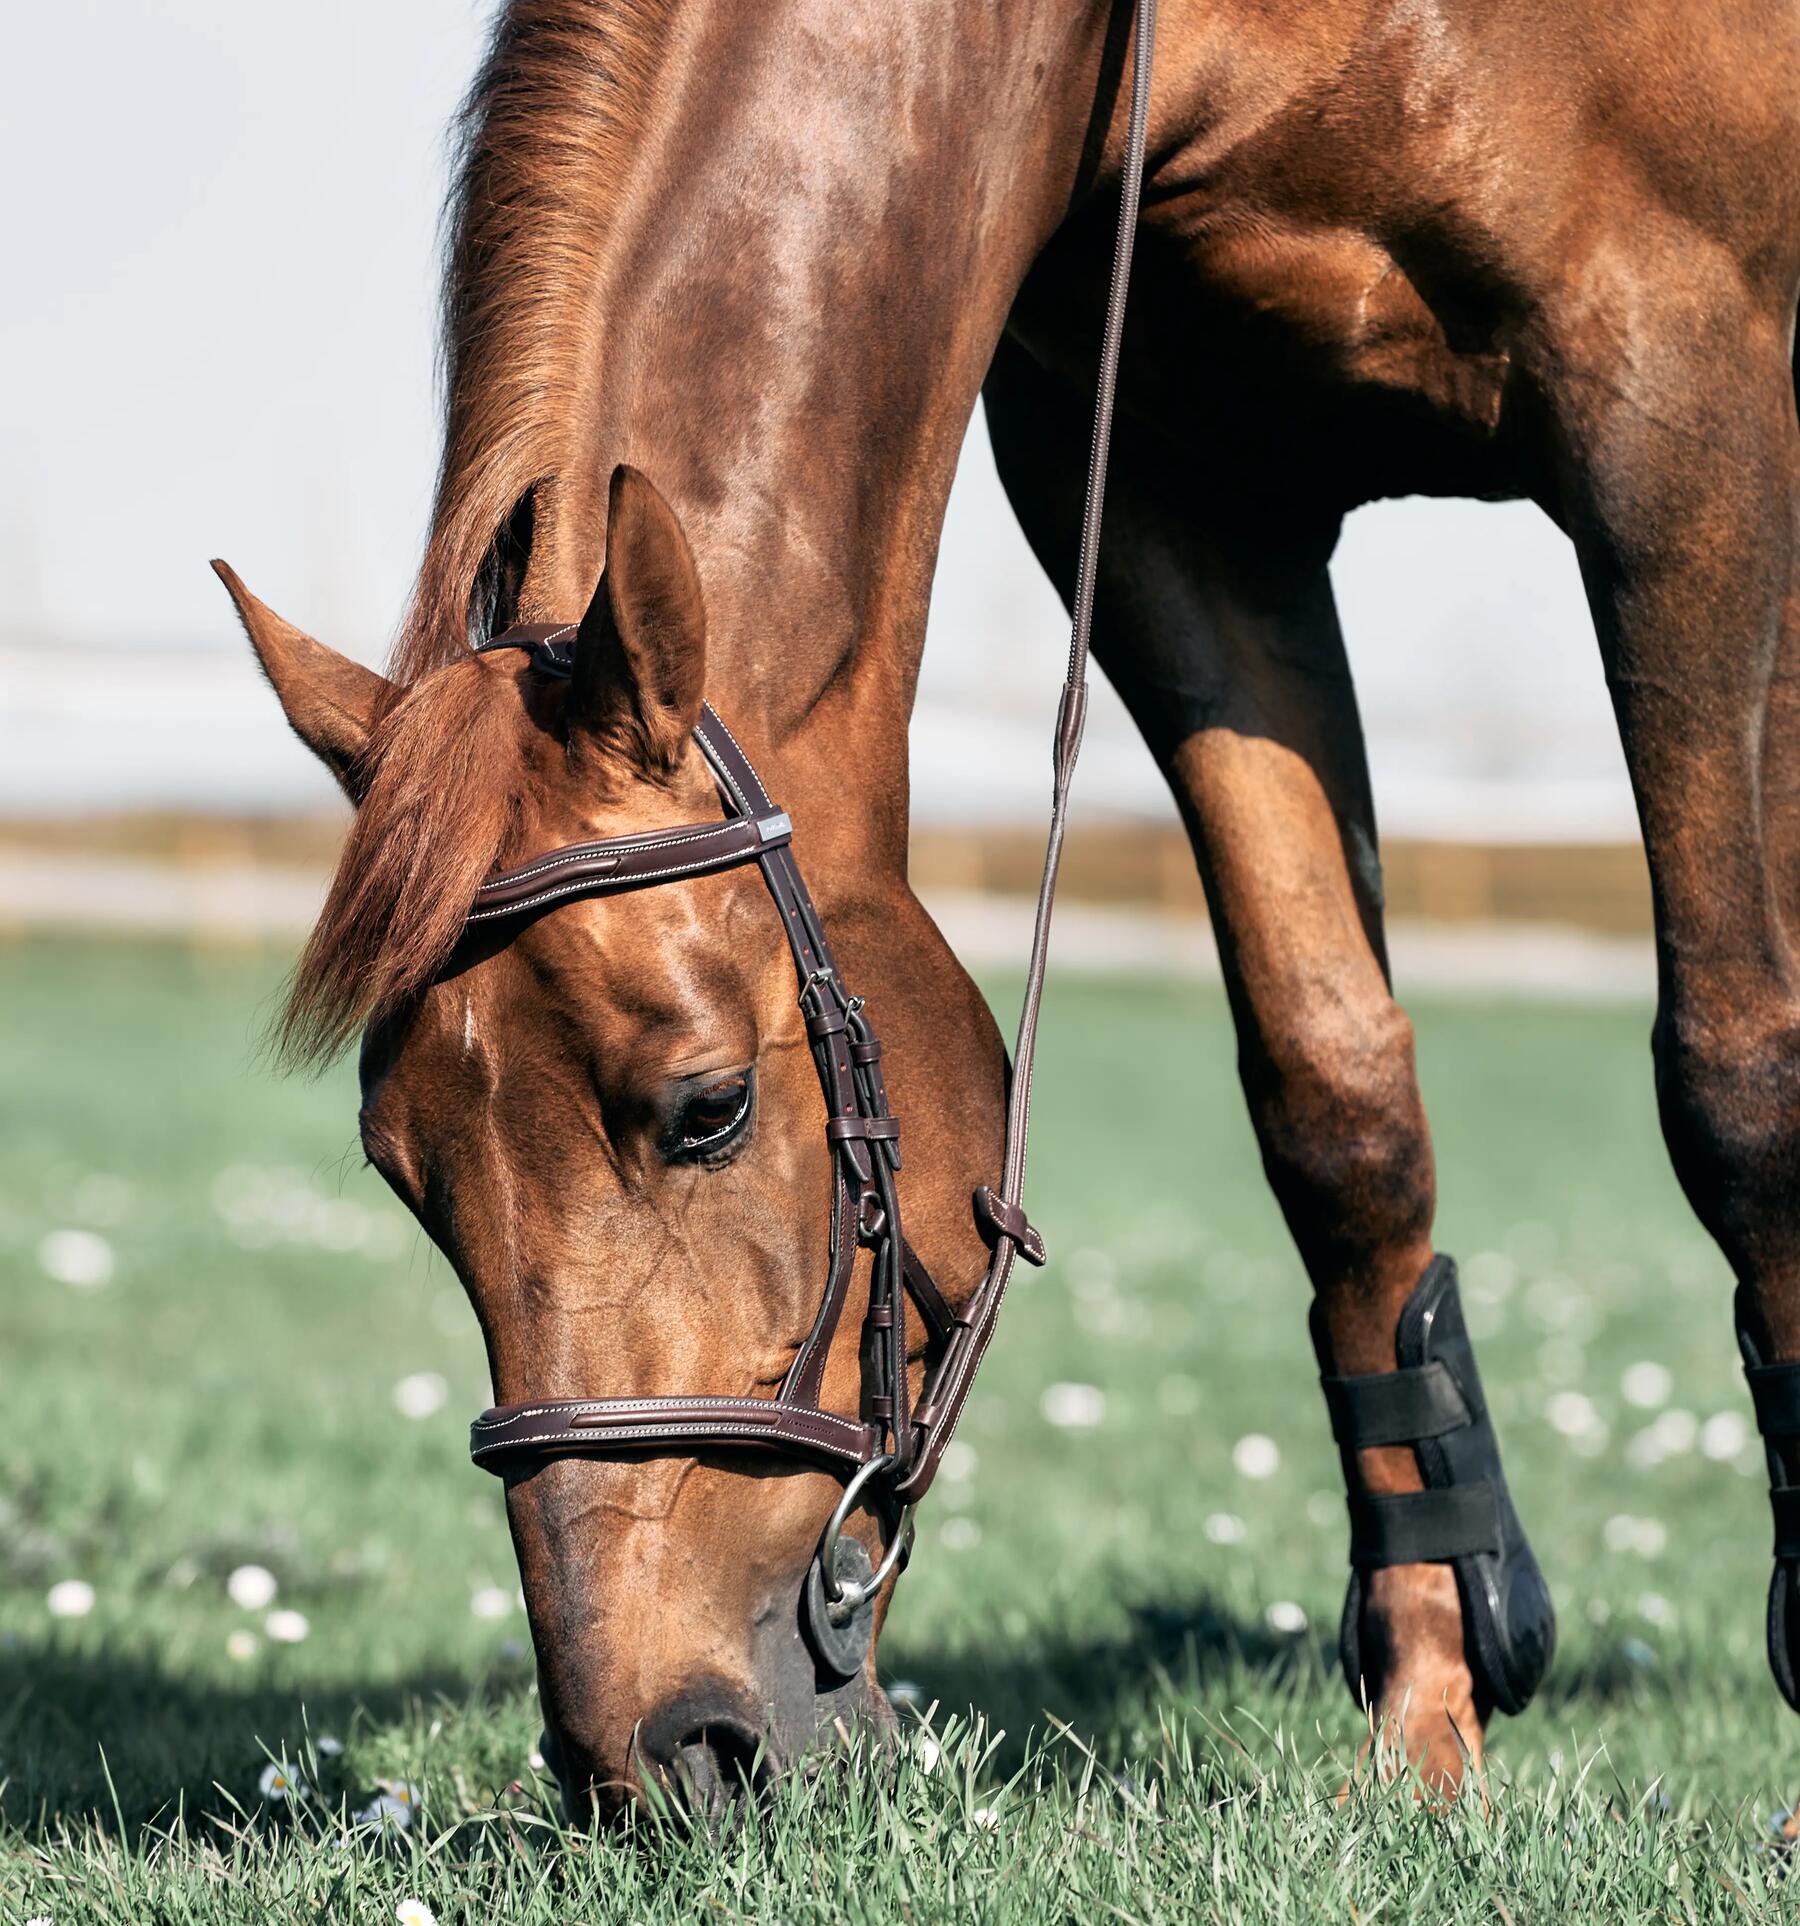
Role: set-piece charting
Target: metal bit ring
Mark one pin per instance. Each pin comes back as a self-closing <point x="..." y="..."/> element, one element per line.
<point x="843" y="1601"/>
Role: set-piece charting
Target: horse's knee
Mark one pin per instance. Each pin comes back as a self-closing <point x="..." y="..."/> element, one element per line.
<point x="1728" y="1088"/>
<point x="1336" y="1104"/>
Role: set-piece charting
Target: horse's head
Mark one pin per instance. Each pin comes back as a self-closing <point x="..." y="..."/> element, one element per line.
<point x="606" y="1114"/>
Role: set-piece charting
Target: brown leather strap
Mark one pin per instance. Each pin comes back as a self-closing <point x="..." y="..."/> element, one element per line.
<point x="942" y="1403"/>
<point x="996" y="1218"/>
<point x="564" y="1426"/>
<point x="629" y="862"/>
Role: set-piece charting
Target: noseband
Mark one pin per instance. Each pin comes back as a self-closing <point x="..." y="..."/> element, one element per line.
<point x="889" y="1452"/>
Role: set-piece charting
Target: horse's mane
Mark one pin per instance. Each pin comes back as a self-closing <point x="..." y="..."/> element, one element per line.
<point x="541" y="142"/>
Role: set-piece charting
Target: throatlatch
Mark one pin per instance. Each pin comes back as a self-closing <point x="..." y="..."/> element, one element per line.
<point x="1775" y="1391"/>
<point x="1463" y="1518"/>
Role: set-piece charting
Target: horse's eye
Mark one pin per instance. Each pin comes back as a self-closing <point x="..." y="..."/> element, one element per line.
<point x="711" y="1122"/>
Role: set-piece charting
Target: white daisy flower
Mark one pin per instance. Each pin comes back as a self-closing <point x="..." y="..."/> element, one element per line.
<point x="1648" y="1537"/>
<point x="421" y="1394"/>
<point x="1723" y="1435"/>
<point x="241" y="1645"/>
<point x="82" y="1259"/>
<point x="1073" y="1407"/>
<point x="251" y="1588"/>
<point x="1285" y="1616"/>
<point x="1646" y="1384"/>
<point x="985" y="1818"/>
<point x="1256" y="1456"/>
<point x="1573" y="1414"/>
<point x="329" y="1746"/>
<point x="1223" y="1528"/>
<point x="70" y="1598"/>
<point x="385" y="1813"/>
<point x="414" y="1912"/>
<point x="286" y="1627"/>
<point x="490" y="1601"/>
<point x="279" y="1783"/>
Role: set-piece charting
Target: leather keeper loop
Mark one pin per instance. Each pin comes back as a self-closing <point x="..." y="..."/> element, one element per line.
<point x="1423" y="1527"/>
<point x="829" y="1022"/>
<point x="1775" y="1392"/>
<point x="869" y="1052"/>
<point x="840" y="1128"/>
<point x="1784" y="1502"/>
<point x="1394" y="1407"/>
<point x="996" y="1218"/>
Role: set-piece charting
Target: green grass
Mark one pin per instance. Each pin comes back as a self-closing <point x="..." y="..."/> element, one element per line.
<point x="227" y="1399"/>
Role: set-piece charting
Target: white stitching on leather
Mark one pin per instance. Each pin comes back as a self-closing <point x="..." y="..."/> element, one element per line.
<point x="738" y="746"/>
<point x="572" y="851"/>
<point x="650" y="1406"/>
<point x="723" y="859"/>
<point x="645" y="1433"/>
<point x="719" y="766"/>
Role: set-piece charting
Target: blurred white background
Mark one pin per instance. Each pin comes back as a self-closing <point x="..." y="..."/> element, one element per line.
<point x="219" y="339"/>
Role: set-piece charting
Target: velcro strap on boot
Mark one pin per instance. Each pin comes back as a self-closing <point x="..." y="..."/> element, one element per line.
<point x="1423" y="1527"/>
<point x="1775" y="1391"/>
<point x="1394" y="1407"/>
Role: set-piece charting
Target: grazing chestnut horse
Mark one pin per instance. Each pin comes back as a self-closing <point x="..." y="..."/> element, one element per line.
<point x="768" y="256"/>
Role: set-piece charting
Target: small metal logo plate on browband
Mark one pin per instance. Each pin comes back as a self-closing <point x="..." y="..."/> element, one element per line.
<point x="772" y="827"/>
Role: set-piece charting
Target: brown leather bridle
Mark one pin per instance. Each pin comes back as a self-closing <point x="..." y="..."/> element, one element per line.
<point x="892" y="1448"/>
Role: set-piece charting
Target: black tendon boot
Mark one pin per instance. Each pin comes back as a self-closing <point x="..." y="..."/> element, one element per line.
<point x="1463" y="1518"/>
<point x="1775" y="1391"/>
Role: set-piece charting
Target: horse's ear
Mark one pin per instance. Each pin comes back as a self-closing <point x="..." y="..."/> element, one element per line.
<point x="640" y="662"/>
<point x="331" y="701"/>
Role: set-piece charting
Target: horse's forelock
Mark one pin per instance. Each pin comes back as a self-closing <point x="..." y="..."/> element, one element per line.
<point x="445" y="771"/>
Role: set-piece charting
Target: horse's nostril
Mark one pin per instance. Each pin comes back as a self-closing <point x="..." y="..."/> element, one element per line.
<point x="715" y="1767"/>
<point x="706" y="1758"/>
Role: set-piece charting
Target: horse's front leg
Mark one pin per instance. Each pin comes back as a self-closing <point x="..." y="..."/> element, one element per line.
<point x="1672" y="396"/>
<point x="1220" y="631"/>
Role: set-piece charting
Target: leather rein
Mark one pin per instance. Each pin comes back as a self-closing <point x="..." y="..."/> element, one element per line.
<point x="892" y="1448"/>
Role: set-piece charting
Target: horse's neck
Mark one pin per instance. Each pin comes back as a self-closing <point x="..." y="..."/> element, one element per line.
<point x="824" y="228"/>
